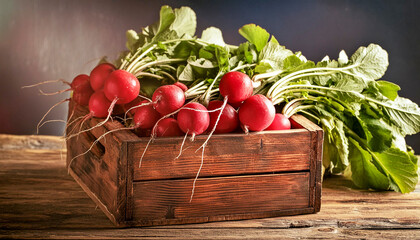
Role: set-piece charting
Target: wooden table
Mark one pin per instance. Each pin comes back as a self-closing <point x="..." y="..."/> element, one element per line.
<point x="39" y="200"/>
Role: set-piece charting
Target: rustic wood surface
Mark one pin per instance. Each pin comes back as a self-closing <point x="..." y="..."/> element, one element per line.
<point x="39" y="200"/>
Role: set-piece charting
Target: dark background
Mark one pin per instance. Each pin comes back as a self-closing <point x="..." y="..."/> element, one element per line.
<point x="45" y="40"/>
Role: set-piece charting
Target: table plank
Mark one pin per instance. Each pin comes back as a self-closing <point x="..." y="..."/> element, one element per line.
<point x="39" y="200"/>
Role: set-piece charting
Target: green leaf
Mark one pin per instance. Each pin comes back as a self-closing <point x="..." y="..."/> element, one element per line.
<point x="132" y="39"/>
<point x="272" y="57"/>
<point x="202" y="53"/>
<point x="185" y="22"/>
<point x="167" y="17"/>
<point x="380" y="133"/>
<point x="370" y="62"/>
<point x="186" y="74"/>
<point x="400" y="168"/>
<point x="183" y="50"/>
<point x="364" y="172"/>
<point x="388" y="89"/>
<point x="403" y="113"/>
<point x="255" y="35"/>
<point x="213" y="35"/>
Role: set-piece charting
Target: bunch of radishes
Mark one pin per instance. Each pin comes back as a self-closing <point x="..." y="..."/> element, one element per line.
<point x="108" y="92"/>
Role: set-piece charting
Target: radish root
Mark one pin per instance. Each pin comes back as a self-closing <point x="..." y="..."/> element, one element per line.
<point x="54" y="93"/>
<point x="49" y="110"/>
<point x="95" y="142"/>
<point x="45" y="82"/>
<point x="205" y="144"/>
<point x="182" y="146"/>
<point x="111" y="107"/>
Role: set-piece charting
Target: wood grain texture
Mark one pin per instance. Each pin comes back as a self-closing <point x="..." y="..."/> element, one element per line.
<point x="111" y="176"/>
<point x="317" y="138"/>
<point x="225" y="155"/>
<point x="102" y="171"/>
<point x="248" y="195"/>
<point x="38" y="200"/>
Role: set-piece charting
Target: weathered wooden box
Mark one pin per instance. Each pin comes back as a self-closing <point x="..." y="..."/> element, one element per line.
<point x="262" y="174"/>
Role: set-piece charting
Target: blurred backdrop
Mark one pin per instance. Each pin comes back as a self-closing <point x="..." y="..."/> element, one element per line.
<point x="49" y="39"/>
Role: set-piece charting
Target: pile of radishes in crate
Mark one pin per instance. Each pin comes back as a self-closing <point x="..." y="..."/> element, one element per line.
<point x="172" y="83"/>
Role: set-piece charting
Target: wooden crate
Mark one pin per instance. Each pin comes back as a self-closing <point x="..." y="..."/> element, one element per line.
<point x="262" y="174"/>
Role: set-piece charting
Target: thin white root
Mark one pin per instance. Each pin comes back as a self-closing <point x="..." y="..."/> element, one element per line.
<point x="95" y="142"/>
<point x="182" y="146"/>
<point x="71" y="123"/>
<point x="111" y="107"/>
<point x="49" y="110"/>
<point x="54" y="93"/>
<point x="198" y="173"/>
<point x="215" y="124"/>
<point x="53" y="120"/>
<point x="144" y="97"/>
<point x="141" y="105"/>
<point x="145" y="149"/>
<point x="203" y="146"/>
<point x="45" y="82"/>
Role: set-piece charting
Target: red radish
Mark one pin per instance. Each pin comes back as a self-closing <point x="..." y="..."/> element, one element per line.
<point x="99" y="74"/>
<point x="168" y="127"/>
<point x="121" y="86"/>
<point x="193" y="119"/>
<point x="132" y="104"/>
<point x="280" y="122"/>
<point x="181" y="85"/>
<point x="294" y="124"/>
<point x="146" y="116"/>
<point x="236" y="86"/>
<point x="229" y="120"/>
<point x="168" y="98"/>
<point x="81" y="89"/>
<point x="99" y="104"/>
<point x="257" y="113"/>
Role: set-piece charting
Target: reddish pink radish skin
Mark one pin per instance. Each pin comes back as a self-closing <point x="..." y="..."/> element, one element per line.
<point x="168" y="98"/>
<point x="81" y="89"/>
<point x="257" y="113"/>
<point x="168" y="127"/>
<point x="131" y="104"/>
<point x="280" y="122"/>
<point x="181" y="85"/>
<point x="193" y="122"/>
<point x="229" y="120"/>
<point x="294" y="124"/>
<point x="146" y="116"/>
<point x="99" y="104"/>
<point x="236" y="86"/>
<point x="121" y="85"/>
<point x="99" y="74"/>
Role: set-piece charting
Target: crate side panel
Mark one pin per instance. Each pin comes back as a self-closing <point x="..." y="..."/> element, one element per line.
<point x="170" y="199"/>
<point x="100" y="166"/>
<point x="225" y="155"/>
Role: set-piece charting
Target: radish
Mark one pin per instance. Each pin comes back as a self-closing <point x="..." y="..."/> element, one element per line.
<point x="99" y="105"/>
<point x="229" y="120"/>
<point x="146" y="116"/>
<point x="168" y="127"/>
<point x="168" y="98"/>
<point x="193" y="119"/>
<point x="121" y="86"/>
<point x="81" y="89"/>
<point x="130" y="107"/>
<point x="257" y="113"/>
<point x="236" y="86"/>
<point x="99" y="74"/>
<point x="181" y="85"/>
<point x="280" y="122"/>
<point x="81" y="94"/>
